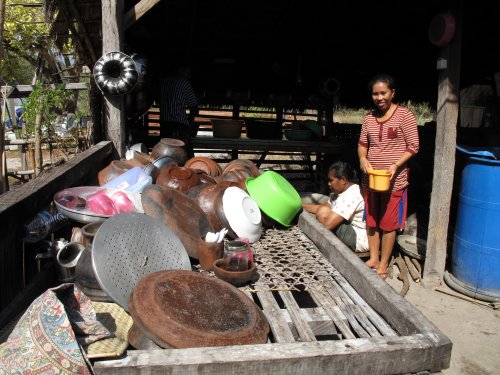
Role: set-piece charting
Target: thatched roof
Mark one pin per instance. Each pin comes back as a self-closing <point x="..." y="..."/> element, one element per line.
<point x="291" y="47"/>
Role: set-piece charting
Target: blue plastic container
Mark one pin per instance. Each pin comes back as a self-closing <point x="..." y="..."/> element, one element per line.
<point x="476" y="247"/>
<point x="135" y="180"/>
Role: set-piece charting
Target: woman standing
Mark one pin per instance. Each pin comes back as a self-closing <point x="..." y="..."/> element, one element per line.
<point x="388" y="139"/>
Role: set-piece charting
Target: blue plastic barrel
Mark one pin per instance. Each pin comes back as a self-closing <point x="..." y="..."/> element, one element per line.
<point x="476" y="247"/>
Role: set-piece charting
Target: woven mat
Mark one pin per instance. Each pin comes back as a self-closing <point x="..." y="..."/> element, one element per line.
<point x="287" y="259"/>
<point x="118" y="322"/>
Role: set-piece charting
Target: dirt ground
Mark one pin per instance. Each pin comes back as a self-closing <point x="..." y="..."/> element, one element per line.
<point x="473" y="329"/>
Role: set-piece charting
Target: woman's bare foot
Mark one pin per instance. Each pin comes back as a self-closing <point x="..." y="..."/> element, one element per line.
<point x="371" y="263"/>
<point x="382" y="271"/>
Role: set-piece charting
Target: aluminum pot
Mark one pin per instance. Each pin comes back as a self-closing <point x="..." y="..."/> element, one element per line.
<point x="85" y="276"/>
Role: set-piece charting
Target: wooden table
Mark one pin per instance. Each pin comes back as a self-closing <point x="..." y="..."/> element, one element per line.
<point x="316" y="153"/>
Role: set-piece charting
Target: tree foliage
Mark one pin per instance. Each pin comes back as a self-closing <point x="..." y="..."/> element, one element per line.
<point x="25" y="27"/>
<point x="26" y="36"/>
<point x="45" y="102"/>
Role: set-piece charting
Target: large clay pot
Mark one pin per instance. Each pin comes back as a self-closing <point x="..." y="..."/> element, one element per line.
<point x="178" y="178"/>
<point x="242" y="164"/>
<point x="208" y="196"/>
<point x="175" y="148"/>
<point x="207" y="165"/>
<point x="237" y="176"/>
<point x="209" y="199"/>
<point x="114" y="169"/>
<point x="179" y="213"/>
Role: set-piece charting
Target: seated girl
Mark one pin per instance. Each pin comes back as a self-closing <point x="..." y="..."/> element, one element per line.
<point x="343" y="213"/>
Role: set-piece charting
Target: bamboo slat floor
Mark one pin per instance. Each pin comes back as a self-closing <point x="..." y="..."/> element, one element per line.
<point x="303" y="296"/>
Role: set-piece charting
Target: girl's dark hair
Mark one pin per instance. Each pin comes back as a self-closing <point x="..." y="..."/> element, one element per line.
<point x="344" y="169"/>
<point x="382" y="77"/>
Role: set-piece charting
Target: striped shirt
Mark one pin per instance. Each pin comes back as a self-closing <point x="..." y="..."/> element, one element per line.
<point x="387" y="141"/>
<point x="176" y="95"/>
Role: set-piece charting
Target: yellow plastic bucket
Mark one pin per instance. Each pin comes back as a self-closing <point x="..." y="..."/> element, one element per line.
<point x="379" y="179"/>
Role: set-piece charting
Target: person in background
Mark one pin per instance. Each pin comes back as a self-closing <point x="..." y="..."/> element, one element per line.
<point x="176" y="97"/>
<point x="343" y="213"/>
<point x="388" y="139"/>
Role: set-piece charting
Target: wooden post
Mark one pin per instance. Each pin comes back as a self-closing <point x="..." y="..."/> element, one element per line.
<point x="112" y="41"/>
<point x="38" y="144"/>
<point x="444" y="158"/>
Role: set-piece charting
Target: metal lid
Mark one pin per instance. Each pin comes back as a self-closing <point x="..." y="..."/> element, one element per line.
<point x="128" y="247"/>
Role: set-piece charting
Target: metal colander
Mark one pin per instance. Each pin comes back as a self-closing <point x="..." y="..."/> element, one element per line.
<point x="128" y="247"/>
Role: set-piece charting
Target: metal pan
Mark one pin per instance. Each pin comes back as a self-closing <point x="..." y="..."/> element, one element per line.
<point x="82" y="214"/>
<point x="128" y="247"/>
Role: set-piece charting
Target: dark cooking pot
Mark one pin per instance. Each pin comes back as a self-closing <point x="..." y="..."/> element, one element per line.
<point x="175" y="148"/>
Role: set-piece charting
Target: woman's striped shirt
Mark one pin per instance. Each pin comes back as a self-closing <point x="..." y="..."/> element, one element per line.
<point x="387" y="141"/>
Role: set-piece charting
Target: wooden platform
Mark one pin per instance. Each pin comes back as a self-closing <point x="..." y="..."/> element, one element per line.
<point x="351" y="322"/>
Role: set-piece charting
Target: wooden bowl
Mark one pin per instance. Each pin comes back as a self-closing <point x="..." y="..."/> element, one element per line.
<point x="235" y="278"/>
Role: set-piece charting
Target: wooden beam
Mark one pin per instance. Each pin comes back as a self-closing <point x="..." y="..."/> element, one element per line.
<point x="139" y="10"/>
<point x="19" y="91"/>
<point x="444" y="158"/>
<point x="376" y="355"/>
<point x="114" y="106"/>
<point x="75" y="34"/>
<point x="90" y="47"/>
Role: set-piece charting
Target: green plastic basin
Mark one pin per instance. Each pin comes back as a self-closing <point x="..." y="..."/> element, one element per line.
<point x="275" y="196"/>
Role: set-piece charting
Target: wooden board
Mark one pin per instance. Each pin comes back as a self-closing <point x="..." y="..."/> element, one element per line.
<point x="20" y="205"/>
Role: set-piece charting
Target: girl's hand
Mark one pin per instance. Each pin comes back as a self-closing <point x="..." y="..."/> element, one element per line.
<point x="393" y="169"/>
<point x="364" y="165"/>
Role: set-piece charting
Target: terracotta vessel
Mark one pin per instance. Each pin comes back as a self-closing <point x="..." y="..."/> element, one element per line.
<point x="185" y="309"/>
<point x="179" y="213"/>
<point x="175" y="148"/>
<point x="209" y="199"/>
<point x="141" y="159"/>
<point x="178" y="178"/>
<point x="236" y="278"/>
<point x="209" y="252"/>
<point x="114" y="169"/>
<point x="207" y="165"/>
<point x="242" y="164"/>
<point x="238" y="176"/>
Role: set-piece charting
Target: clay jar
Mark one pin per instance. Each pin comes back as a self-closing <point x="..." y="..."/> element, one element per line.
<point x="205" y="164"/>
<point x="209" y="199"/>
<point x="170" y="147"/>
<point x="178" y="178"/>
<point x="237" y="176"/>
<point x="242" y="164"/>
<point x="209" y="252"/>
<point x="140" y="159"/>
<point x="114" y="169"/>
